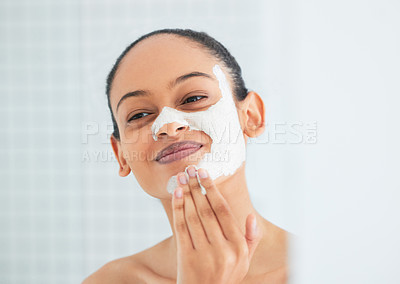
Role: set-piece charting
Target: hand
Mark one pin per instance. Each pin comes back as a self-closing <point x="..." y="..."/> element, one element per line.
<point x="210" y="245"/>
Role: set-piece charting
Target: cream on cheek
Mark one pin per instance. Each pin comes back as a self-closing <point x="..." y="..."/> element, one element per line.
<point x="221" y="122"/>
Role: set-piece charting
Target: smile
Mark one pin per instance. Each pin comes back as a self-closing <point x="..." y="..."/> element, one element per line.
<point x="177" y="151"/>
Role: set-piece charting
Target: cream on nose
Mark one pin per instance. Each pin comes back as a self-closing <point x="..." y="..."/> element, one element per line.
<point x="171" y="129"/>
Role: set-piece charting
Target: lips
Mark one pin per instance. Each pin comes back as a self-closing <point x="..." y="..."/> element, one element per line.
<point x="177" y="151"/>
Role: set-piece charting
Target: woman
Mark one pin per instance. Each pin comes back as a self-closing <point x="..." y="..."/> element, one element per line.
<point x="182" y="116"/>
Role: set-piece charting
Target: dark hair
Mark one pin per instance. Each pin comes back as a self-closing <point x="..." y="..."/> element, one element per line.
<point x="214" y="47"/>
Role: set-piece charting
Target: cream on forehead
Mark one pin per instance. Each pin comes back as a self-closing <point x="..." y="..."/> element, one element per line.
<point x="221" y="122"/>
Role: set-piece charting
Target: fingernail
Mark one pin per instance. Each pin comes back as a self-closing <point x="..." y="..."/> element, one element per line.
<point x="203" y="173"/>
<point x="191" y="171"/>
<point x="182" y="179"/>
<point x="255" y="225"/>
<point x="178" y="192"/>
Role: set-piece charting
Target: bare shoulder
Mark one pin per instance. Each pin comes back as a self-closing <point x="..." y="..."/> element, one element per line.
<point x="123" y="270"/>
<point x="130" y="269"/>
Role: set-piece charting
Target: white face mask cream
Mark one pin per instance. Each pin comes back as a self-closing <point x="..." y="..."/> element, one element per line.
<point x="221" y="122"/>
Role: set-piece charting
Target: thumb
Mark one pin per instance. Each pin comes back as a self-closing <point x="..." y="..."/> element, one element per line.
<point x="253" y="234"/>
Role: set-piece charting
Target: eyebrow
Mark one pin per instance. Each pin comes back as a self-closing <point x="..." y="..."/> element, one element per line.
<point x="182" y="78"/>
<point x="171" y="85"/>
<point x="137" y="93"/>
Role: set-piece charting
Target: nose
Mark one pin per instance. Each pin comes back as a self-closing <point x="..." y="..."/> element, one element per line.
<point x="171" y="129"/>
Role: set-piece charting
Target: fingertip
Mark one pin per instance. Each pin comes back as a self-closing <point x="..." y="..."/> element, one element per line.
<point x="251" y="227"/>
<point x="254" y="226"/>
<point x="191" y="170"/>
<point x="203" y="174"/>
<point x="178" y="192"/>
<point x="182" y="178"/>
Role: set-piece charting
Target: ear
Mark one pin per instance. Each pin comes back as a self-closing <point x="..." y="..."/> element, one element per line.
<point x="124" y="168"/>
<point x="253" y="115"/>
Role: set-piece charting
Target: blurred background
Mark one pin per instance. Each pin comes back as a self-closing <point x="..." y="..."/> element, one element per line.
<point x="325" y="169"/>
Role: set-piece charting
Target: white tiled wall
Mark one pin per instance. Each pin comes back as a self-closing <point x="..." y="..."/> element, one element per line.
<point x="41" y="202"/>
<point x="64" y="211"/>
<point x="329" y="68"/>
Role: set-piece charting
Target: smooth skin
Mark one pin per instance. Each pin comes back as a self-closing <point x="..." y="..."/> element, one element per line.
<point x="154" y="65"/>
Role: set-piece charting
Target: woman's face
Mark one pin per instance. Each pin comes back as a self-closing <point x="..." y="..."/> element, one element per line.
<point x="149" y="78"/>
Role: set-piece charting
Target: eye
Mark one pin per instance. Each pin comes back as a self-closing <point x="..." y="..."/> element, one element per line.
<point x="193" y="99"/>
<point x="138" y="116"/>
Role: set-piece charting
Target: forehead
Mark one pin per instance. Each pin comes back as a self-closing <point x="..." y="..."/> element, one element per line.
<point x="157" y="60"/>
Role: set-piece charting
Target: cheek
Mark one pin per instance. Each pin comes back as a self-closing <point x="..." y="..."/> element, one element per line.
<point x="131" y="136"/>
<point x="207" y="141"/>
<point x="139" y="163"/>
<point x="138" y="149"/>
